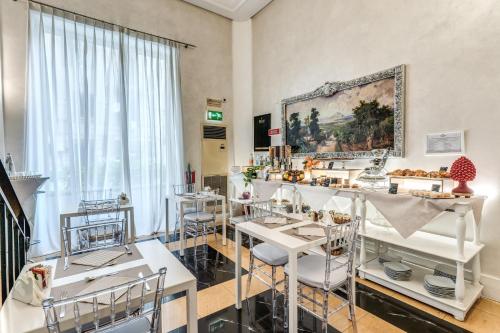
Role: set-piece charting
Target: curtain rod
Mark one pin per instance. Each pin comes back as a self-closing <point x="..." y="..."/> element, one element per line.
<point x="186" y="45"/>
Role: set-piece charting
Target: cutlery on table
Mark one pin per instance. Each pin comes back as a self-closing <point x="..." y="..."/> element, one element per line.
<point x="64" y="295"/>
<point x="92" y="278"/>
<point x="140" y="275"/>
<point x="111" y="263"/>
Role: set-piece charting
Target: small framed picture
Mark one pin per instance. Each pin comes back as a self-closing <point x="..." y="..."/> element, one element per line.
<point x="436" y="188"/>
<point x="443" y="169"/>
<point x="330" y="166"/>
<point x="445" y="143"/>
<point x="393" y="188"/>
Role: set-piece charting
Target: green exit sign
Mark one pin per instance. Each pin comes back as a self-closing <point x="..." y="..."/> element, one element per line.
<point x="214" y="115"/>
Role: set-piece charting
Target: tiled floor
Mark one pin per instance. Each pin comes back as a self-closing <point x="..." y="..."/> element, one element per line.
<point x="379" y="309"/>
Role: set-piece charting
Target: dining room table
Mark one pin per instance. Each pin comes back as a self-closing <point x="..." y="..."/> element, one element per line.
<point x="281" y="236"/>
<point x="144" y="258"/>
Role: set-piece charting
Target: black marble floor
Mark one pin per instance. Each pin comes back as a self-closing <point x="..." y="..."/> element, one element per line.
<point x="254" y="316"/>
<point x="208" y="265"/>
<point x="400" y="314"/>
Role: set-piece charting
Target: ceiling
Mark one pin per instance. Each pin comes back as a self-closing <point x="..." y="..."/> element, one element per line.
<point x="237" y="10"/>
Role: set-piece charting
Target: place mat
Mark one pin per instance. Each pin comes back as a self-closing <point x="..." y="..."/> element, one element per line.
<point x="260" y="221"/>
<point x="98" y="258"/>
<point x="294" y="232"/>
<point x="75" y="269"/>
<point x="81" y="287"/>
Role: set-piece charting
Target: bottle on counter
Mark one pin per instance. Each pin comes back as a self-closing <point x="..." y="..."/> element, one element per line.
<point x="250" y="160"/>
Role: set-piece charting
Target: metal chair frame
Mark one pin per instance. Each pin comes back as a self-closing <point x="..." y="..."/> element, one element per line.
<point x="131" y="313"/>
<point x="194" y="228"/>
<point x="102" y="228"/>
<point x="179" y="190"/>
<point x="259" y="209"/>
<point x="338" y="236"/>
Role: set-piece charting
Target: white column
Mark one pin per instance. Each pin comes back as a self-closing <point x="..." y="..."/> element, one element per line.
<point x="242" y="91"/>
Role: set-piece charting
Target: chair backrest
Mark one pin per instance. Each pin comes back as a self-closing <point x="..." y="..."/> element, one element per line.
<point x="205" y="203"/>
<point x="184" y="188"/>
<point x="91" y="237"/>
<point x="121" y="312"/>
<point x="259" y="208"/>
<point x="100" y="210"/>
<point x="341" y="236"/>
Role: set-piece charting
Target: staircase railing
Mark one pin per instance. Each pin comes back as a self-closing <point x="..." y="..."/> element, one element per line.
<point x="15" y="233"/>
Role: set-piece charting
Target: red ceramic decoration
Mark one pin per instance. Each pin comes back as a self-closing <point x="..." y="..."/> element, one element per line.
<point x="463" y="171"/>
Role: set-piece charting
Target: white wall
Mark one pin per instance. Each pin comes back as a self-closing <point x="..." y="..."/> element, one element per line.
<point x="451" y="49"/>
<point x="206" y="71"/>
<point x="242" y="91"/>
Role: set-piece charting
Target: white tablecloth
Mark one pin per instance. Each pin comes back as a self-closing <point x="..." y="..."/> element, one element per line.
<point x="407" y="213"/>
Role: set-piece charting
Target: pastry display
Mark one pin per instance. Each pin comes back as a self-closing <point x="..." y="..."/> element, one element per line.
<point x="339" y="218"/>
<point x="431" y="194"/>
<point x="419" y="173"/>
<point x="294" y="176"/>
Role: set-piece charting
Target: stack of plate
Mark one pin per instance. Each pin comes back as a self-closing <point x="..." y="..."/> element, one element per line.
<point x="383" y="258"/>
<point x="446" y="271"/>
<point x="439" y="286"/>
<point x="397" y="271"/>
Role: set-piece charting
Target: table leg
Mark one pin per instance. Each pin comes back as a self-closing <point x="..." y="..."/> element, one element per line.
<point x="61" y="226"/>
<point x="476" y="269"/>
<point x="460" y="285"/>
<point x="237" y="268"/>
<point x="67" y="223"/>
<point x="292" y="293"/>
<point x="362" y="253"/>
<point x="224" y="221"/>
<point x="460" y="233"/>
<point x="126" y="239"/>
<point x="132" y="224"/>
<point x="167" y="227"/>
<point x="181" y="227"/>
<point x="191" y="304"/>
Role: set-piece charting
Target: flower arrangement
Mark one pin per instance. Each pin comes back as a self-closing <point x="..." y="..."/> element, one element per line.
<point x="310" y="163"/>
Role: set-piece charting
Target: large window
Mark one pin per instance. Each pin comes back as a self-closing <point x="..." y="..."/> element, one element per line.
<point x="103" y="112"/>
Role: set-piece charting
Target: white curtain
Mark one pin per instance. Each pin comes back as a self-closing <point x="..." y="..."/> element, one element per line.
<point x="103" y="112"/>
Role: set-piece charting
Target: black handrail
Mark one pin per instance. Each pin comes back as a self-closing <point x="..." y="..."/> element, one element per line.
<point x="15" y="234"/>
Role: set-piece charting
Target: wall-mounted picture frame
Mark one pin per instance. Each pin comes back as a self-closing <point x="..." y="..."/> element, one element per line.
<point x="445" y="143"/>
<point x="347" y="119"/>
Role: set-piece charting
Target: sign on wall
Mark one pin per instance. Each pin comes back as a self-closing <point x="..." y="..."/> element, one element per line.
<point x="214" y="109"/>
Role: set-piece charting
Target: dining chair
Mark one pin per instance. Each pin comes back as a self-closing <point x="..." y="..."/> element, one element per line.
<point x="102" y="228"/>
<point x="202" y="221"/>
<point x="325" y="274"/>
<point x="268" y="254"/>
<point x="123" y="314"/>
<point x="179" y="190"/>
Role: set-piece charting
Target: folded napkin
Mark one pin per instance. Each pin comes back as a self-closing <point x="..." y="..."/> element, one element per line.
<point x="275" y="220"/>
<point x="308" y="231"/>
<point x="27" y="290"/>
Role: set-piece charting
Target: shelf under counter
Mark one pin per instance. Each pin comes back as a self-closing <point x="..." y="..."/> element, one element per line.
<point x="414" y="288"/>
<point x="423" y="242"/>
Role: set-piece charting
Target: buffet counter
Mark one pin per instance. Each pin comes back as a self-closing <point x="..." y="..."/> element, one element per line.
<point x="406" y="214"/>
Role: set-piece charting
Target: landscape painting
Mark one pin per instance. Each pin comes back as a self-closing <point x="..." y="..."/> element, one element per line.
<point x="341" y="121"/>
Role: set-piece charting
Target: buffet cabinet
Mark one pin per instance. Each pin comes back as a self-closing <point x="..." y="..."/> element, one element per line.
<point x="450" y="251"/>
